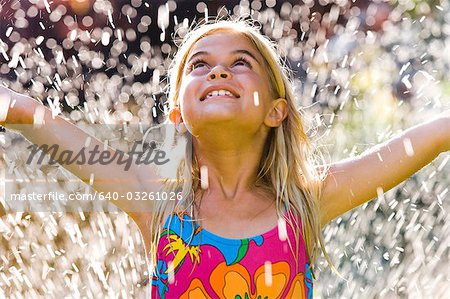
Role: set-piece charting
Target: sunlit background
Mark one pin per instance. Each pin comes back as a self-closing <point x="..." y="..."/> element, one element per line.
<point x="364" y="70"/>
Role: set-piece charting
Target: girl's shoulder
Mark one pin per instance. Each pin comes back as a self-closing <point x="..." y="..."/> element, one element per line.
<point x="171" y="215"/>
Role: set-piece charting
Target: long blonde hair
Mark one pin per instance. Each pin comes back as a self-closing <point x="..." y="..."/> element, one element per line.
<point x="286" y="168"/>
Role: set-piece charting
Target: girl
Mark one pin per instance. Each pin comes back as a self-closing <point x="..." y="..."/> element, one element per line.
<point x="249" y="225"/>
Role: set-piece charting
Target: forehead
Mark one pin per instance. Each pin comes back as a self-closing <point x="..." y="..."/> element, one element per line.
<point x="224" y="41"/>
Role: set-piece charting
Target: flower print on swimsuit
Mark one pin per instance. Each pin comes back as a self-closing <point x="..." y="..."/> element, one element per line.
<point x="233" y="282"/>
<point x="185" y="240"/>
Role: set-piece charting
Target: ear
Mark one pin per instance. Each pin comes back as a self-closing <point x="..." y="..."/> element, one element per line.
<point x="277" y="113"/>
<point x="175" y="115"/>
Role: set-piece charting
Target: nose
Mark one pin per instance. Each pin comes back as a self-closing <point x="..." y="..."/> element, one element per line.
<point x="219" y="72"/>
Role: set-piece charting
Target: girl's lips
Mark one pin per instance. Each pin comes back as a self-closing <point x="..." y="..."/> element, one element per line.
<point x="208" y="98"/>
<point x="219" y="91"/>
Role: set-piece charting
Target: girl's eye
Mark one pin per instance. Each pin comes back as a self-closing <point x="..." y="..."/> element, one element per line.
<point x="196" y="65"/>
<point x="242" y="62"/>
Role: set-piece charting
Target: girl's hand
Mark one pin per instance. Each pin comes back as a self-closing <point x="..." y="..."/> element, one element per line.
<point x="16" y="108"/>
<point x="443" y="121"/>
<point x="5" y="103"/>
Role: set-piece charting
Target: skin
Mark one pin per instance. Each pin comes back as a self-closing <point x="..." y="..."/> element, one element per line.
<point x="229" y="134"/>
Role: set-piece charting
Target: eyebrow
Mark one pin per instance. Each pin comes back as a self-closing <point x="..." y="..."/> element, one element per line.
<point x="239" y="51"/>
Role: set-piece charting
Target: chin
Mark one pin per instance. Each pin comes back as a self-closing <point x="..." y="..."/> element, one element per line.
<point x="213" y="115"/>
<point x="212" y="121"/>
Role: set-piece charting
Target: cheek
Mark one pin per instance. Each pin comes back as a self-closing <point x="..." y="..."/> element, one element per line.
<point x="189" y="93"/>
<point x="184" y="99"/>
<point x="188" y="90"/>
<point x="188" y="115"/>
<point x="187" y="108"/>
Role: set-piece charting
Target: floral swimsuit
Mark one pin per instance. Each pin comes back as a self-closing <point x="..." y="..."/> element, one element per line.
<point x="194" y="263"/>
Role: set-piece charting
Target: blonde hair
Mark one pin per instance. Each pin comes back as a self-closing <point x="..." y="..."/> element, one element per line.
<point x="286" y="168"/>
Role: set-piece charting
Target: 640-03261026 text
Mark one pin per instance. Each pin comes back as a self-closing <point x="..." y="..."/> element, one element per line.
<point x="79" y="196"/>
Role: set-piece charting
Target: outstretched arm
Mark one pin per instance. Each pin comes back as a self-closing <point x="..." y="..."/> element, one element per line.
<point x="352" y="182"/>
<point x="17" y="109"/>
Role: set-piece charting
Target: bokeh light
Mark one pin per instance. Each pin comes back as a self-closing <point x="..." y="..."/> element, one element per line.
<point x="363" y="70"/>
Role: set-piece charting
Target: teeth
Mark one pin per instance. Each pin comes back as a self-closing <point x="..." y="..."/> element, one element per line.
<point x="221" y="92"/>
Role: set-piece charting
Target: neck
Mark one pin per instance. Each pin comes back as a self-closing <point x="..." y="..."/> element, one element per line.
<point x="232" y="162"/>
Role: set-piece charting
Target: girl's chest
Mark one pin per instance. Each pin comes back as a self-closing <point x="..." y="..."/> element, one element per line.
<point x="195" y="263"/>
<point x="239" y="225"/>
<point x="238" y="221"/>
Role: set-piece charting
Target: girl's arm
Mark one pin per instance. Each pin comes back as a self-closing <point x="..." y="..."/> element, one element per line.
<point x="352" y="182"/>
<point x="57" y="131"/>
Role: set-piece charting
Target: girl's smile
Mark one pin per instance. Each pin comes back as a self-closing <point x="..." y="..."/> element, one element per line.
<point x="222" y="91"/>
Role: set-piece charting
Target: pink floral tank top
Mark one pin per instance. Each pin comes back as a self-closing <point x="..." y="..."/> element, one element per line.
<point x="210" y="266"/>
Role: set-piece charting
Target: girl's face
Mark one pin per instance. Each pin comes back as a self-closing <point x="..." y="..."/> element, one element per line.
<point x="225" y="81"/>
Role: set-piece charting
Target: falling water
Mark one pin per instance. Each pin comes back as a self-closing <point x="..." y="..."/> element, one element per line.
<point x="363" y="71"/>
